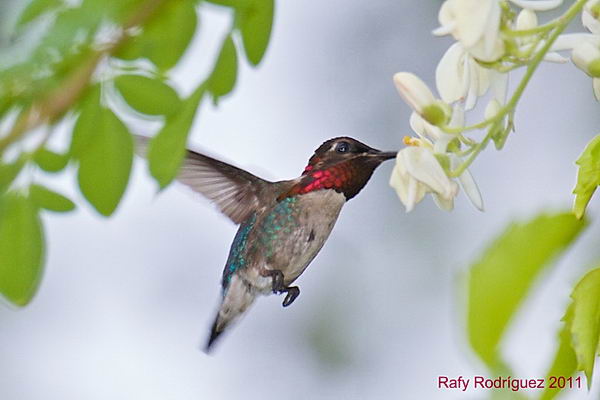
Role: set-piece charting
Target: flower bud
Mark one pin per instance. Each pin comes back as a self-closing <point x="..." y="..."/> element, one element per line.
<point x="586" y="56"/>
<point x="418" y="96"/>
<point x="436" y="114"/>
<point x="492" y="109"/>
<point x="590" y="17"/>
<point x="527" y="19"/>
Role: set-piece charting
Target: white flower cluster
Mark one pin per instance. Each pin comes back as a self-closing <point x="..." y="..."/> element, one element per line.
<point x="586" y="46"/>
<point x="491" y="40"/>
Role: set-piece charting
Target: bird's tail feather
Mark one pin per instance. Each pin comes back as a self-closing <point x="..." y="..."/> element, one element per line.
<point x="236" y="301"/>
<point x="214" y="334"/>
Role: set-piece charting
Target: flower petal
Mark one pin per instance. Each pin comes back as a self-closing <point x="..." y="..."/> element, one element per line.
<point x="430" y="133"/>
<point x="492" y="31"/>
<point x="499" y="84"/>
<point x="469" y="186"/>
<point x="443" y="203"/>
<point x="483" y="77"/>
<point x="569" y="41"/>
<point x="458" y="116"/>
<point x="423" y="166"/>
<point x="472" y="18"/>
<point x="449" y="74"/>
<point x="446" y="18"/>
<point x="407" y="188"/>
<point x="471" y="99"/>
<point x="412" y="194"/>
<point x="413" y="90"/>
<point x="584" y="54"/>
<point x="538" y="5"/>
<point x="555" y="58"/>
<point x="591" y="23"/>
<point x="479" y="51"/>
<point x="596" y="86"/>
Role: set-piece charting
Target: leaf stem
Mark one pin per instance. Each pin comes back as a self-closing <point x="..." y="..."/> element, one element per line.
<point x="533" y="31"/>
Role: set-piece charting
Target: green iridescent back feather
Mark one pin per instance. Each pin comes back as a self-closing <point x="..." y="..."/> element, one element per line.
<point x="275" y="226"/>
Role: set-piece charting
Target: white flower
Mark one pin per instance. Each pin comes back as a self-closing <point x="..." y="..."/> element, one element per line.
<point x="589" y="16"/>
<point x="538" y="5"/>
<point x="585" y="47"/>
<point x="459" y="77"/>
<point x="418" y="96"/>
<point x="586" y="56"/>
<point x="475" y="24"/>
<point x="418" y="172"/>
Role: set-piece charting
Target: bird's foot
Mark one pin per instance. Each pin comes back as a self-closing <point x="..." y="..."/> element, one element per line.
<point x="277" y="278"/>
<point x="279" y="287"/>
<point x="292" y="293"/>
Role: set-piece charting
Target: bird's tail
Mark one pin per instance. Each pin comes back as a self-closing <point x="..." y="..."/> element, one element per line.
<point x="238" y="298"/>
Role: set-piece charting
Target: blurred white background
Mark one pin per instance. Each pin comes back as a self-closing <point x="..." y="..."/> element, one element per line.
<point x="126" y="302"/>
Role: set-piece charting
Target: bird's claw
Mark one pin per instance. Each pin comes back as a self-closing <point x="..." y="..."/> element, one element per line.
<point x="292" y="293"/>
<point x="278" y="286"/>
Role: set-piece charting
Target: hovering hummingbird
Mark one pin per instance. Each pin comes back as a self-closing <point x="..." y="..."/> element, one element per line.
<point x="283" y="224"/>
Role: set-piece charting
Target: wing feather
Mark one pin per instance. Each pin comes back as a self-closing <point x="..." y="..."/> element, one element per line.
<point x="237" y="193"/>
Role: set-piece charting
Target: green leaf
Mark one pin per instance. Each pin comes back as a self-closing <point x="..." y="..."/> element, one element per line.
<point x="119" y="11"/>
<point x="222" y="80"/>
<point x="588" y="176"/>
<point x="8" y="172"/>
<point x="167" y="149"/>
<point x="501" y="278"/>
<point x="148" y="96"/>
<point x="36" y="8"/>
<point x="565" y="360"/>
<point x="50" y="161"/>
<point x="86" y="125"/>
<point x="254" y="21"/>
<point x="49" y="199"/>
<point x="21" y="249"/>
<point x="585" y="325"/>
<point x="166" y="37"/>
<point x="105" y="154"/>
<point x="227" y="3"/>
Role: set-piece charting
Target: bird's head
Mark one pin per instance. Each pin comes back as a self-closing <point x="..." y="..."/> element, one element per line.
<point x="343" y="164"/>
<point x="344" y="149"/>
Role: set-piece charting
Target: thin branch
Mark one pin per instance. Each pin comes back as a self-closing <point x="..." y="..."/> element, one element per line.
<point x="63" y="98"/>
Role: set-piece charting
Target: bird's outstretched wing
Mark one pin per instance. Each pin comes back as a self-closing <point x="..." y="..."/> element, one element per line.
<point x="236" y="192"/>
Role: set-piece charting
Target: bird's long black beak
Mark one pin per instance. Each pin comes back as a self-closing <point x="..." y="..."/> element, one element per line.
<point x="382" y="155"/>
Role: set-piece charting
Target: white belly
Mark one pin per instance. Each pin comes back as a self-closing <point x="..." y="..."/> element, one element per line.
<point x="316" y="214"/>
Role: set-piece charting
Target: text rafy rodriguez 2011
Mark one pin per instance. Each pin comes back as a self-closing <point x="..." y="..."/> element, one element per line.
<point x="507" y="382"/>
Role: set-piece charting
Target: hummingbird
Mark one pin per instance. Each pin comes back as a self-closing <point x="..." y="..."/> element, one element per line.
<point x="283" y="224"/>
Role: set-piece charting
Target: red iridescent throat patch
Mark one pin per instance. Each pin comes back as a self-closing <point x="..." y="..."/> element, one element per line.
<point x="336" y="177"/>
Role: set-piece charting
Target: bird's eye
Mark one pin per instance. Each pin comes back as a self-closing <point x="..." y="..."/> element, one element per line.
<point x="342" y="147"/>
